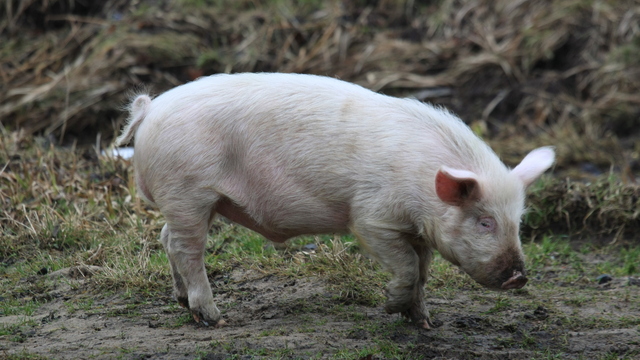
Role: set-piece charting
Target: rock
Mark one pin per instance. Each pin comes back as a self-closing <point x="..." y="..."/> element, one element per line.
<point x="310" y="247"/>
<point x="539" y="313"/>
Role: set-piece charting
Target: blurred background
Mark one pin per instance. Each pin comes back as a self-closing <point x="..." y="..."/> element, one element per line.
<point x="521" y="73"/>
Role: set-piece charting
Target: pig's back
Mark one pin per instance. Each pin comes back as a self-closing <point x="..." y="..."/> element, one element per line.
<point x="295" y="116"/>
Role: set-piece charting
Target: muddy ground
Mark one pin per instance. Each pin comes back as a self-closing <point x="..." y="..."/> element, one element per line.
<point x="271" y="316"/>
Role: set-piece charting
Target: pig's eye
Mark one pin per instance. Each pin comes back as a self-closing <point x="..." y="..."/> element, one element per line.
<point x="487" y="223"/>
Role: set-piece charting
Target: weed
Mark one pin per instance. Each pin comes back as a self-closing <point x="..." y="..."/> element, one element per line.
<point x="578" y="301"/>
<point x="18" y="307"/>
<point x="273" y="332"/>
<point x="528" y="341"/>
<point x="631" y="261"/>
<point x="19" y="331"/>
<point x="74" y="305"/>
<point x="603" y="208"/>
<point x="182" y="319"/>
<point x="24" y="355"/>
<point x="502" y="304"/>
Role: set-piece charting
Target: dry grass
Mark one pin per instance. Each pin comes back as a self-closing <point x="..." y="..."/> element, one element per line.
<point x="58" y="200"/>
<point x="605" y="210"/>
<point x="521" y="73"/>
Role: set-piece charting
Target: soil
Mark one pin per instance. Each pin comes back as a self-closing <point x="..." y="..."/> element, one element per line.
<point x="272" y="316"/>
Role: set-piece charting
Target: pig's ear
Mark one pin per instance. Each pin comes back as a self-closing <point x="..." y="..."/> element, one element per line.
<point x="457" y="187"/>
<point x="534" y="164"/>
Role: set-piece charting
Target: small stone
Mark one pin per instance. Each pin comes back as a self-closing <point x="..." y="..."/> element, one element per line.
<point x="604" y="278"/>
<point x="540" y="313"/>
<point x="310" y="247"/>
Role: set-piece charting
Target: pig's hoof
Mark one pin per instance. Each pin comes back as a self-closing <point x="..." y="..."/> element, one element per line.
<point x="197" y="317"/>
<point x="212" y="319"/>
<point x="419" y="317"/>
<point x="424" y="324"/>
<point x="217" y="325"/>
<point x="220" y="323"/>
<point x="421" y="322"/>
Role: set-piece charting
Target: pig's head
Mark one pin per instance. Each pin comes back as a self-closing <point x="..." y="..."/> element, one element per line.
<point x="480" y="229"/>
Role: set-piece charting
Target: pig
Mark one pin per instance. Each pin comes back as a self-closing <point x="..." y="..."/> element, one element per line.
<point x="291" y="154"/>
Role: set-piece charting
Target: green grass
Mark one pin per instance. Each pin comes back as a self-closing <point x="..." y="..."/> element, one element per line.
<point x="18" y="332"/>
<point x="23" y="306"/>
<point x="183" y="318"/>
<point x="501" y="304"/>
<point x="25" y="355"/>
<point x="557" y="251"/>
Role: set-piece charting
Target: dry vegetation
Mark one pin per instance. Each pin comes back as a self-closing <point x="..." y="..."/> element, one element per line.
<point x="560" y="72"/>
<point x="521" y="73"/>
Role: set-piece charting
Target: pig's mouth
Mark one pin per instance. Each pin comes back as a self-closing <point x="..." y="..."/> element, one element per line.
<point x="516" y="281"/>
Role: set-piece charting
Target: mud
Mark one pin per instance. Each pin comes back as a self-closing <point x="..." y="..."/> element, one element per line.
<point x="272" y="316"/>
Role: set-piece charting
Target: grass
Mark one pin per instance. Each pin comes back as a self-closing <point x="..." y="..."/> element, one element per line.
<point x="605" y="208"/>
<point x="91" y="216"/>
<point x="501" y="304"/>
<point x="25" y="355"/>
<point x="18" y="307"/>
<point x="618" y="261"/>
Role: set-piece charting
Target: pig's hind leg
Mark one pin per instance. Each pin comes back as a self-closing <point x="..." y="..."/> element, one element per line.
<point x="393" y="248"/>
<point x="184" y="238"/>
<point x="179" y="288"/>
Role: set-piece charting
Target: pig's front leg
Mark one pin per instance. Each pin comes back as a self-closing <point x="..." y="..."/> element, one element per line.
<point x="185" y="246"/>
<point x="418" y="311"/>
<point x="393" y="249"/>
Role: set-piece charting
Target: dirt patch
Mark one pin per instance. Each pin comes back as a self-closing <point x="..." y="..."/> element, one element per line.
<point x="273" y="316"/>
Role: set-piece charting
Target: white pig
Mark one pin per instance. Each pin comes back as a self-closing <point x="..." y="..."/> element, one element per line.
<point x="288" y="154"/>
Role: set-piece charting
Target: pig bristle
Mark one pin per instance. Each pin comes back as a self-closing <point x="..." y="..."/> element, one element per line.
<point x="137" y="112"/>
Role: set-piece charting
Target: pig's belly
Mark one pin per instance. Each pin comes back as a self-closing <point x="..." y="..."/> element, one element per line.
<point x="277" y="229"/>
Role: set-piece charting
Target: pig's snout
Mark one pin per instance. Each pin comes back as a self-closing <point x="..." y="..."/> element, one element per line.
<point x="516" y="281"/>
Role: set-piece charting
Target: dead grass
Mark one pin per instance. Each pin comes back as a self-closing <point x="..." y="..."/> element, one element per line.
<point x="58" y="200"/>
<point x="537" y="72"/>
<point x="602" y="210"/>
